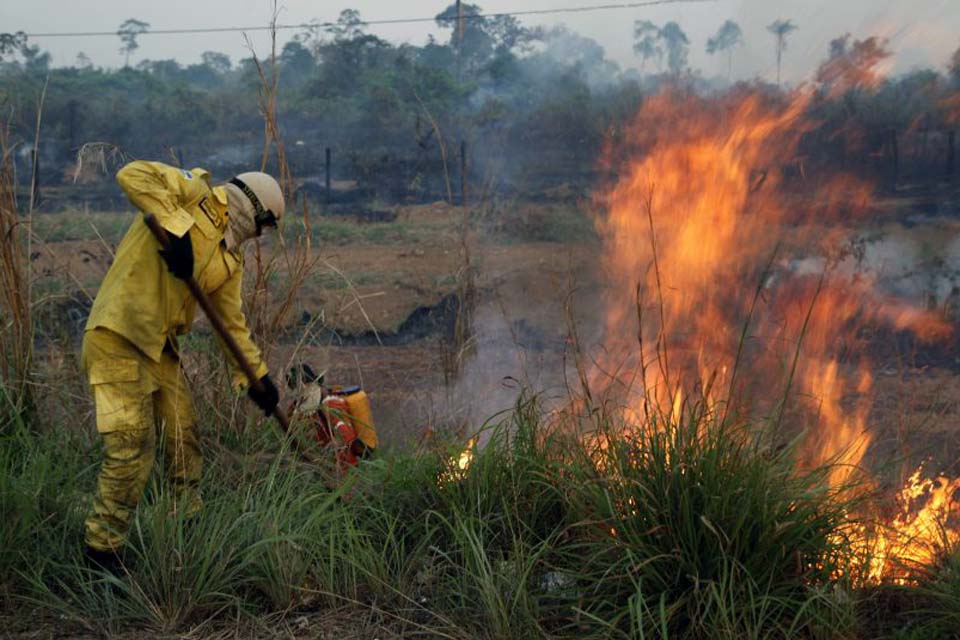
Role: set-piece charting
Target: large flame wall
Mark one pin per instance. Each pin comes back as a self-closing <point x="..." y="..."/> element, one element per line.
<point x="728" y="272"/>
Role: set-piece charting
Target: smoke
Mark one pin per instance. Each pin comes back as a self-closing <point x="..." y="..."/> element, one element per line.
<point x="917" y="264"/>
<point x="502" y="365"/>
<point x="522" y="338"/>
<point x="512" y="356"/>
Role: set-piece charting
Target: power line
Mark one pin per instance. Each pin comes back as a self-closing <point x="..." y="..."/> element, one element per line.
<point x="388" y="21"/>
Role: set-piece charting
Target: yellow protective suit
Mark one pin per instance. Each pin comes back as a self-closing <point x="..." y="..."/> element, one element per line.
<point x="130" y="349"/>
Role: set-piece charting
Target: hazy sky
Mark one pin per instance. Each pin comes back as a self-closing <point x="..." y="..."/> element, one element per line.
<point x="921" y="32"/>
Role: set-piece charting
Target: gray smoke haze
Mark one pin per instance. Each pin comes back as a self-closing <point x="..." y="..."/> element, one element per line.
<point x="921" y="32"/>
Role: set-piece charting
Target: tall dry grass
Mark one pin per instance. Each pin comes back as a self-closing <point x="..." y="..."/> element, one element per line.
<point x="16" y="319"/>
<point x="279" y="275"/>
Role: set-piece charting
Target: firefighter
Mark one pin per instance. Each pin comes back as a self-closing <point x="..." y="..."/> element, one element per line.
<point x="130" y="353"/>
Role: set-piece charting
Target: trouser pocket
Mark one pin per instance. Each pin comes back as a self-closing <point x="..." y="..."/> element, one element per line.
<point x="120" y="395"/>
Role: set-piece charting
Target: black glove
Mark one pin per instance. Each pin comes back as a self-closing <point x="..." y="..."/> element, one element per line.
<point x="268" y="399"/>
<point x="360" y="449"/>
<point x="179" y="257"/>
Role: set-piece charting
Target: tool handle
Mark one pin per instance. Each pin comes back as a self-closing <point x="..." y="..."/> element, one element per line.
<point x="221" y="329"/>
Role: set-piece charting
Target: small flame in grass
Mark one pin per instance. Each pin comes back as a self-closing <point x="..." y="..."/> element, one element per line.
<point x="457" y="468"/>
<point x="466" y="456"/>
<point x="921" y="531"/>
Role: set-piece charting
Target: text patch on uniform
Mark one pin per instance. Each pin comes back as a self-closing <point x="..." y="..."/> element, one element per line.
<point x="212" y="214"/>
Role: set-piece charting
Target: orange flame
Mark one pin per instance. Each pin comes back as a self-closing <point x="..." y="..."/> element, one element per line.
<point x="920" y="532"/>
<point x="735" y="265"/>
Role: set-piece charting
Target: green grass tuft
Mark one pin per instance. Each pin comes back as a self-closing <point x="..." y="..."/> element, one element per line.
<point x="689" y="531"/>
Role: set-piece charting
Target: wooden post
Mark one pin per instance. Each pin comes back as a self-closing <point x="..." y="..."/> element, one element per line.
<point x="895" y="152"/>
<point x="951" y="153"/>
<point x="72" y="124"/>
<point x="463" y="172"/>
<point x="327" y="176"/>
<point x="35" y="179"/>
<point x="459" y="41"/>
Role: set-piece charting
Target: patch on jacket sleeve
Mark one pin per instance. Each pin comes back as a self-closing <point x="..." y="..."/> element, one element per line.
<point x="186" y="174"/>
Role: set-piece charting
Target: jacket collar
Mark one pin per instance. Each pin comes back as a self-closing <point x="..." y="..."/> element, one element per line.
<point x="220" y="193"/>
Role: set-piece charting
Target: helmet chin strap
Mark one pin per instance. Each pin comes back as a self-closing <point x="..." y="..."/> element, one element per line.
<point x="247" y="191"/>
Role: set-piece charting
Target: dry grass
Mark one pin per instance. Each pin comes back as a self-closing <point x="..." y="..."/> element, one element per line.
<point x="16" y="320"/>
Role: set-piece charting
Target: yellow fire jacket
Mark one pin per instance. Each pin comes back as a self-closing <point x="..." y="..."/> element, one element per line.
<point x="142" y="301"/>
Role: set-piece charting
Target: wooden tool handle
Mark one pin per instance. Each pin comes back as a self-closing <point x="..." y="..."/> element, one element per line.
<point x="161" y="235"/>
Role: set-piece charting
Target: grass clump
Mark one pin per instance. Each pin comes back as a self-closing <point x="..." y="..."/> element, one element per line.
<point x="697" y="530"/>
<point x="936" y="614"/>
<point x="619" y="530"/>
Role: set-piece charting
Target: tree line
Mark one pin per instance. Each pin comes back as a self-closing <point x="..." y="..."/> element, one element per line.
<point x="531" y="105"/>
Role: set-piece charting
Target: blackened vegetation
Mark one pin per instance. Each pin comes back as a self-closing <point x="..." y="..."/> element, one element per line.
<point x="899" y="349"/>
<point x="428" y="321"/>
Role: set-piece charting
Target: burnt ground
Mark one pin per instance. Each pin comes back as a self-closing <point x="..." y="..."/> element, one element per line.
<point x="380" y="309"/>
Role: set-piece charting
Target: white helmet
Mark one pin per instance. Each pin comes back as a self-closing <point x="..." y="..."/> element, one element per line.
<point x="264" y="194"/>
<point x="255" y="201"/>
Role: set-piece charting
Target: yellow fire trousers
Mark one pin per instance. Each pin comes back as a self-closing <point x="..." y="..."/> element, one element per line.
<point x="137" y="401"/>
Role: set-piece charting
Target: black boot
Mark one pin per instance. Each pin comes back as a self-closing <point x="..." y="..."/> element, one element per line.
<point x="107" y="561"/>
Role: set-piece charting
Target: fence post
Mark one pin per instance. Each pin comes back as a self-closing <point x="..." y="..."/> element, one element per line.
<point x="895" y="152"/>
<point x="72" y="123"/>
<point x="34" y="179"/>
<point x="951" y="153"/>
<point x="327" y="175"/>
<point x="463" y="172"/>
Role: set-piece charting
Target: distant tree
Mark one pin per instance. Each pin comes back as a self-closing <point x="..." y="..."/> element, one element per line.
<point x="247" y="72"/>
<point x="728" y="37"/>
<point x="781" y="29"/>
<point x="296" y="61"/>
<point x="12" y="44"/>
<point x="646" y="42"/>
<point x="216" y="61"/>
<point x="852" y="67"/>
<point x="341" y="55"/>
<point x="954" y="67"/>
<point x="436" y="54"/>
<point x="478" y="38"/>
<point x="83" y="61"/>
<point x="348" y="26"/>
<point x="35" y="60"/>
<point x="510" y="36"/>
<point x="128" y="32"/>
<point x="677" y="45"/>
<point x="201" y="75"/>
<point x="167" y="70"/>
<point x="352" y="48"/>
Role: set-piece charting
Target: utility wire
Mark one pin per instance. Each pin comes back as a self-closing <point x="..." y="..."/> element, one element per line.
<point x="388" y="21"/>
